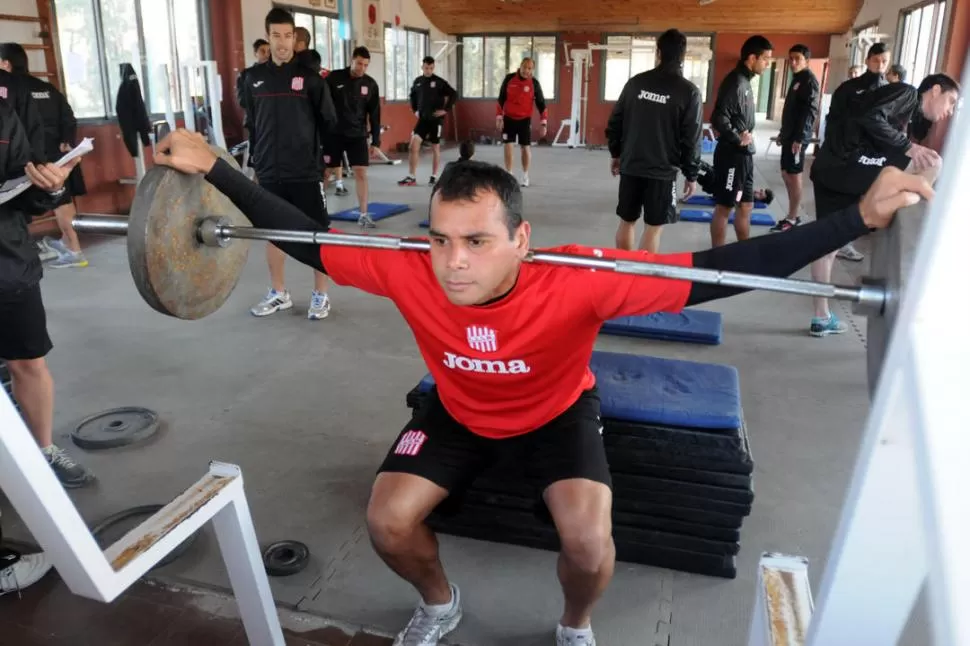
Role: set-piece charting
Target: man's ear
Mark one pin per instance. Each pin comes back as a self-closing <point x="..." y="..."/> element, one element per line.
<point x="522" y="238"/>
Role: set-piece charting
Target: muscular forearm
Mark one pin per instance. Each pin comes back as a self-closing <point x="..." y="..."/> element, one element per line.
<point x="267" y="211"/>
<point x="777" y="255"/>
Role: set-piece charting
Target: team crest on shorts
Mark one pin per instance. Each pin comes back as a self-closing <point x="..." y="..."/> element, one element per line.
<point x="737" y="199"/>
<point x="410" y="443"/>
<point x="363" y="90"/>
<point x="3" y="92"/>
<point x="297" y="84"/>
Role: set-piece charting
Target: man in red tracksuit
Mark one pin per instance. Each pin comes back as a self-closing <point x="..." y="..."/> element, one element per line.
<point x="514" y="113"/>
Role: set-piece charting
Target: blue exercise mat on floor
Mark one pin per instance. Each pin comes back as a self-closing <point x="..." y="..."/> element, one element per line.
<point x="377" y="211"/>
<point x="758" y="218"/>
<point x="651" y="390"/>
<point x="691" y="326"/>
<point x="424" y="223"/>
<point x="707" y="200"/>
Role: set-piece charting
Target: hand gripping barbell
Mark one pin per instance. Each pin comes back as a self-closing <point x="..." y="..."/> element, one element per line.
<point x="180" y="232"/>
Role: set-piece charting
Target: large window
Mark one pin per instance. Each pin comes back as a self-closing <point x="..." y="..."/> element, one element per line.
<point x="863" y="39"/>
<point x="485" y="60"/>
<point x="627" y="56"/>
<point x="404" y="50"/>
<point x="97" y="36"/>
<point x="919" y="39"/>
<point x="324" y="37"/>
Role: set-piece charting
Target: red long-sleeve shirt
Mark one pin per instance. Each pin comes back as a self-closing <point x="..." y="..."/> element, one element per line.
<point x="517" y="95"/>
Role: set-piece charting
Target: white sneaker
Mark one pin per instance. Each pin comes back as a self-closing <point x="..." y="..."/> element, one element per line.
<point x="427" y="629"/>
<point x="365" y="220"/>
<point x="525" y="180"/>
<point x="573" y="637"/>
<point x="24" y="573"/>
<point x="273" y="302"/>
<point x="319" y="306"/>
<point x="849" y="252"/>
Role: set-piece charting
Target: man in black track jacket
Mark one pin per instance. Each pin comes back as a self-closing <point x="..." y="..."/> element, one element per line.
<point x="733" y="119"/>
<point x="431" y="98"/>
<point x="17" y="95"/>
<point x="291" y="113"/>
<point x="60" y="133"/>
<point x="655" y="128"/>
<point x="797" y="126"/>
<point x="24" y="341"/>
<point x="872" y="133"/>
<point x="356" y="97"/>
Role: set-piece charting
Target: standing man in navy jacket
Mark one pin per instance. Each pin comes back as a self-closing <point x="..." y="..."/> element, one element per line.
<point x="291" y="112"/>
<point x="514" y="113"/>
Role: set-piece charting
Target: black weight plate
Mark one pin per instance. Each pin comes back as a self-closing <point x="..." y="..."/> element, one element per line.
<point x="108" y="531"/>
<point x="116" y="427"/>
<point x="285" y="558"/>
<point x="628" y="486"/>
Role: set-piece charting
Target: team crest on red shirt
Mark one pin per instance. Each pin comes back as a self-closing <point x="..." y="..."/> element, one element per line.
<point x="297" y="84"/>
<point x="482" y="339"/>
<point x="363" y="90"/>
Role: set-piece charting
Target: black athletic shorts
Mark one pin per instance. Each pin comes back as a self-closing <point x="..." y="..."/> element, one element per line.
<point x="357" y="149"/>
<point x="517" y="130"/>
<point x="429" y="130"/>
<point x="791" y="164"/>
<point x="839" y="185"/>
<point x="436" y="447"/>
<point x="23" y="325"/>
<point x="309" y="197"/>
<point x="733" y="175"/>
<point x="655" y="198"/>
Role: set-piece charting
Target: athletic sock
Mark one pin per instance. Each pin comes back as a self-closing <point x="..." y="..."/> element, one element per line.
<point x="441" y="609"/>
<point x="574" y="633"/>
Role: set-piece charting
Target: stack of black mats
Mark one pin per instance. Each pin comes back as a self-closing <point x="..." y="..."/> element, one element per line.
<point x="679" y="458"/>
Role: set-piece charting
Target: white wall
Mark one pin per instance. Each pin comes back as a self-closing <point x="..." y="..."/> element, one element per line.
<point x="24" y="33"/>
<point x="254" y="13"/>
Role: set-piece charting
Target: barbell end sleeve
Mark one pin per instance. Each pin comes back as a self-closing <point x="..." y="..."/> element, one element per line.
<point x="872" y="297"/>
<point x="210" y="231"/>
<point x="101" y="224"/>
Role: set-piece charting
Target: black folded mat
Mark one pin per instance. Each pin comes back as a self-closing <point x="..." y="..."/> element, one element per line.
<point x="479" y="518"/>
<point x="723" y="438"/>
<point x="630" y="485"/>
<point x="626" y="551"/>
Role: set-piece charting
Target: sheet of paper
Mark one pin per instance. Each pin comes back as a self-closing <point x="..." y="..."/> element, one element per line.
<point x="14" y="187"/>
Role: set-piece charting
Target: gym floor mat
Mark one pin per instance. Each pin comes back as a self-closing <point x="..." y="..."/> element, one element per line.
<point x="758" y="218"/>
<point x="688" y="326"/>
<point x="376" y="210"/>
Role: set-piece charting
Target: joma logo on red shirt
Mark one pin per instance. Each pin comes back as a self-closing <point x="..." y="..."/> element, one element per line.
<point x="487" y="366"/>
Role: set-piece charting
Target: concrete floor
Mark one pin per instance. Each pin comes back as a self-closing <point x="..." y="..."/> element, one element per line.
<point x="308" y="410"/>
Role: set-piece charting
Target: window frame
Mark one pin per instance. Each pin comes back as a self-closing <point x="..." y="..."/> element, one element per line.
<point x="711" y="36"/>
<point x="144" y="78"/>
<point x="941" y="37"/>
<point x="387" y="87"/>
<point x="856" y="51"/>
<point x="507" y="36"/>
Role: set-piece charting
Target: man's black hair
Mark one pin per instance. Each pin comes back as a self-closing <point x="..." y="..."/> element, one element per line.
<point x="361" y="52"/>
<point x="672" y="45"/>
<point x="312" y="59"/>
<point x="14" y="54"/>
<point x="278" y="16"/>
<point x="899" y="71"/>
<point x="769" y="196"/>
<point x="465" y="180"/>
<point x="466" y="150"/>
<point x="259" y="42"/>
<point x="428" y="60"/>
<point x="755" y="46"/>
<point x="801" y="49"/>
<point x="876" y="49"/>
<point x="946" y="83"/>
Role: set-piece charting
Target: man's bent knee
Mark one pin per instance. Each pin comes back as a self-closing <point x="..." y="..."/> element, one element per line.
<point x="27" y="368"/>
<point x="398" y="506"/>
<point x="586" y="545"/>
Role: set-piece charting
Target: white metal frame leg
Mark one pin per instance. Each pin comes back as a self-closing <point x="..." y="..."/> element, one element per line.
<point x="45" y="507"/>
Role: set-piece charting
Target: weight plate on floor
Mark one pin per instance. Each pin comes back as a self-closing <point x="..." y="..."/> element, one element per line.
<point x="285" y="558"/>
<point x="115" y="427"/>
<point x="174" y="272"/>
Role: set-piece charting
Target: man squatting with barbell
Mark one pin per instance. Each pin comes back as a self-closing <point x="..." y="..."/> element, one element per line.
<point x="508" y="343"/>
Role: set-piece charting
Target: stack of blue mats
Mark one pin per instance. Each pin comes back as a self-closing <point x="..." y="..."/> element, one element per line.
<point x="679" y="460"/>
<point x="688" y="326"/>
<point x="758" y="218"/>
<point x="707" y="200"/>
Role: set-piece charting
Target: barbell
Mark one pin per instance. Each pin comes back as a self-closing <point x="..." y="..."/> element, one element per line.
<point x="184" y="262"/>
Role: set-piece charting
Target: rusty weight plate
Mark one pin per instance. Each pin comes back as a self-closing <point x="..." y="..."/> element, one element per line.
<point x="175" y="273"/>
